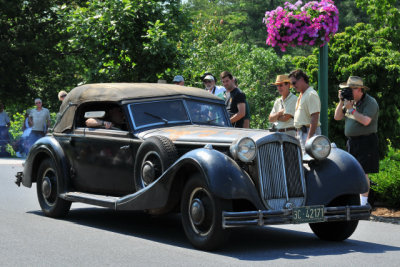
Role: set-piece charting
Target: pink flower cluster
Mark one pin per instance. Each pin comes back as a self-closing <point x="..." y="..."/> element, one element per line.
<point x="314" y="23"/>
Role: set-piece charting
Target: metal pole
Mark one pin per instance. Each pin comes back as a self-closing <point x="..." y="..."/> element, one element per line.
<point x="323" y="87"/>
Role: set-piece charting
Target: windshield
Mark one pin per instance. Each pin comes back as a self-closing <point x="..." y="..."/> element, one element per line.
<point x="167" y="112"/>
<point x="207" y="113"/>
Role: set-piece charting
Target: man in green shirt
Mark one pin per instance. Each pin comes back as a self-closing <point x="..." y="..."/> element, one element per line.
<point x="360" y="112"/>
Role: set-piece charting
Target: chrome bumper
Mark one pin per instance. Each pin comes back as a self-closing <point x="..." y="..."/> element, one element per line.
<point x="285" y="216"/>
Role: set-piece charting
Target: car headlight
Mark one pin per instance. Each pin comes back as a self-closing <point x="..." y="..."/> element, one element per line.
<point x="244" y="149"/>
<point x="318" y="147"/>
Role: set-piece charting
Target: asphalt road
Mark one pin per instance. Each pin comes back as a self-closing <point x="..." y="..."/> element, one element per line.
<point x="92" y="236"/>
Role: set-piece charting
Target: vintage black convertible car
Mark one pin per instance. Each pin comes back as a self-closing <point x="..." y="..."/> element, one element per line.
<point x="174" y="150"/>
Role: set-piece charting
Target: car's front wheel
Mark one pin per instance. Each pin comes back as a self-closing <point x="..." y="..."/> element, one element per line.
<point x="202" y="215"/>
<point x="337" y="231"/>
<point x="48" y="185"/>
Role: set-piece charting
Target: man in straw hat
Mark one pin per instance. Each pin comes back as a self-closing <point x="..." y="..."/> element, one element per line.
<point x="284" y="107"/>
<point x="361" y="126"/>
<point x="308" y="107"/>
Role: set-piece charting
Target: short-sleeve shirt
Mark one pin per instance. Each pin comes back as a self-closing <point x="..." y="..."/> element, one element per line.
<point x="219" y="91"/>
<point x="308" y="104"/>
<point x="368" y="107"/>
<point x="289" y="105"/>
<point x="4" y="119"/>
<point x="40" y="119"/>
<point x="233" y="98"/>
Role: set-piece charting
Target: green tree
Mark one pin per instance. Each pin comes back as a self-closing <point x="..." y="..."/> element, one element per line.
<point x="124" y="41"/>
<point x="31" y="65"/>
<point x="385" y="17"/>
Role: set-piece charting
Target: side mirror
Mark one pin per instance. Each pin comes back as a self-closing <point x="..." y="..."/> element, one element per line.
<point x="95" y="114"/>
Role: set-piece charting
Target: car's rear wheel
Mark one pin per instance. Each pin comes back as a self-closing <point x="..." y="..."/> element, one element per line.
<point x="202" y="215"/>
<point x="48" y="190"/>
<point x="337" y="231"/>
<point x="154" y="156"/>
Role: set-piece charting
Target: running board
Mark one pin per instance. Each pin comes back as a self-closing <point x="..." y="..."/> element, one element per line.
<point x="97" y="200"/>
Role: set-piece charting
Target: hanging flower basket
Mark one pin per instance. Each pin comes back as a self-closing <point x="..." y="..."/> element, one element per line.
<point x="313" y="23"/>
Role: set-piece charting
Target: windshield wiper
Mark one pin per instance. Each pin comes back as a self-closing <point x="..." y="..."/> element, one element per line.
<point x="209" y="121"/>
<point x="157" y="117"/>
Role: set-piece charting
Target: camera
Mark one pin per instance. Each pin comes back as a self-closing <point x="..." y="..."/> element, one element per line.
<point x="346" y="94"/>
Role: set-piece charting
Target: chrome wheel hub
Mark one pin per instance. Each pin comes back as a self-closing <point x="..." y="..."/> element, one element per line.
<point x="46" y="187"/>
<point x="197" y="212"/>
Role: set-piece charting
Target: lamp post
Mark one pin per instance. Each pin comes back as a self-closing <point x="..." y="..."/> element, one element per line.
<point x="323" y="87"/>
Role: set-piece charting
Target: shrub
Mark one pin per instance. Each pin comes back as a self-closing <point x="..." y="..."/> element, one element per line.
<point x="387" y="181"/>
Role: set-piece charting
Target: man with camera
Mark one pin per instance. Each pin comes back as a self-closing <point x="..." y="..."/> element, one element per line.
<point x="360" y="112"/>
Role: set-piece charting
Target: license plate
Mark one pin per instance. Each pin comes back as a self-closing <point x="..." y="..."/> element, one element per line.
<point x="308" y="214"/>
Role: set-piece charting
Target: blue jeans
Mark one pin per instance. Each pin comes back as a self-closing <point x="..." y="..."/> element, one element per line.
<point x="4" y="140"/>
<point x="34" y="136"/>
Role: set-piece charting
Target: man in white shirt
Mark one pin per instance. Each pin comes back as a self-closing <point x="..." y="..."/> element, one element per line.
<point x="39" y="118"/>
<point x="308" y="107"/>
<point x="209" y="83"/>
<point x="282" y="113"/>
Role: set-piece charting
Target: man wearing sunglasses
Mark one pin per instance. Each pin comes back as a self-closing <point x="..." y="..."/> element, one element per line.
<point x="308" y="107"/>
<point x="283" y="110"/>
<point x="39" y="118"/>
<point x="209" y="83"/>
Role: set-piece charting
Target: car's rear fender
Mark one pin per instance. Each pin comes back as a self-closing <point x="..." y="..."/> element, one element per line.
<point x="46" y="147"/>
<point x="339" y="174"/>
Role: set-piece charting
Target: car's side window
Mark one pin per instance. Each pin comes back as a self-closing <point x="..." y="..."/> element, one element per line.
<point x="102" y="116"/>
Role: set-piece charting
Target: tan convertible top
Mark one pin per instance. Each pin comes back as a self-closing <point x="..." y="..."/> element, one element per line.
<point x="116" y="92"/>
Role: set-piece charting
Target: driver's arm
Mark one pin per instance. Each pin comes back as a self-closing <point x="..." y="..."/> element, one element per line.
<point x="91" y="122"/>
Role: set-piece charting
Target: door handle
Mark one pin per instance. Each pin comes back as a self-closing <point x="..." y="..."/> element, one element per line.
<point x="125" y="147"/>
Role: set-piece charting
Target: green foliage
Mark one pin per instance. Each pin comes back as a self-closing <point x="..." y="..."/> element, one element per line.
<point x="385" y="17"/>
<point x="362" y="51"/>
<point x="30" y="63"/>
<point x="387" y="180"/>
<point x="242" y="18"/>
<point x="124" y="41"/>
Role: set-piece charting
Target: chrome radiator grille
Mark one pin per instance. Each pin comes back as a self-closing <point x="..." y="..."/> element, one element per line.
<point x="281" y="175"/>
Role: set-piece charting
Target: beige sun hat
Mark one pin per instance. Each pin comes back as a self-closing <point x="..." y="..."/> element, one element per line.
<point x="282" y="79"/>
<point x="354" y="81"/>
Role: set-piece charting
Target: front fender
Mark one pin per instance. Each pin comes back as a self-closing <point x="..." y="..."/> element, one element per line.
<point x="225" y="178"/>
<point x="339" y="174"/>
<point x="45" y="147"/>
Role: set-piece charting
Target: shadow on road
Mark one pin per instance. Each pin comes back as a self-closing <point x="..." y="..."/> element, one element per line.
<point x="250" y="244"/>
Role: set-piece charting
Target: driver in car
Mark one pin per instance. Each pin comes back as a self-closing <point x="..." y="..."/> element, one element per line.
<point x="116" y="120"/>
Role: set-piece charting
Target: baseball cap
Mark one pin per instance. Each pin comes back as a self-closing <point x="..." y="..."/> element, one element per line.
<point x="178" y="79"/>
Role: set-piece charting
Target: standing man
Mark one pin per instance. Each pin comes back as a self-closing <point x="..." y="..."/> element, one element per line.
<point x="246" y="122"/>
<point x="4" y="134"/>
<point x="282" y="113"/>
<point x="178" y="80"/>
<point x="235" y="100"/>
<point x="308" y="106"/>
<point x="209" y="83"/>
<point x="39" y="118"/>
<point x="360" y="112"/>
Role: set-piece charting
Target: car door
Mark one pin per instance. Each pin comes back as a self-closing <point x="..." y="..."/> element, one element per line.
<point x="102" y="160"/>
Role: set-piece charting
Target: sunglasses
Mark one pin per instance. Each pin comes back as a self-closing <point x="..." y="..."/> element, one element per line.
<point x="63" y="95"/>
<point x="293" y="83"/>
<point x="38" y="102"/>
